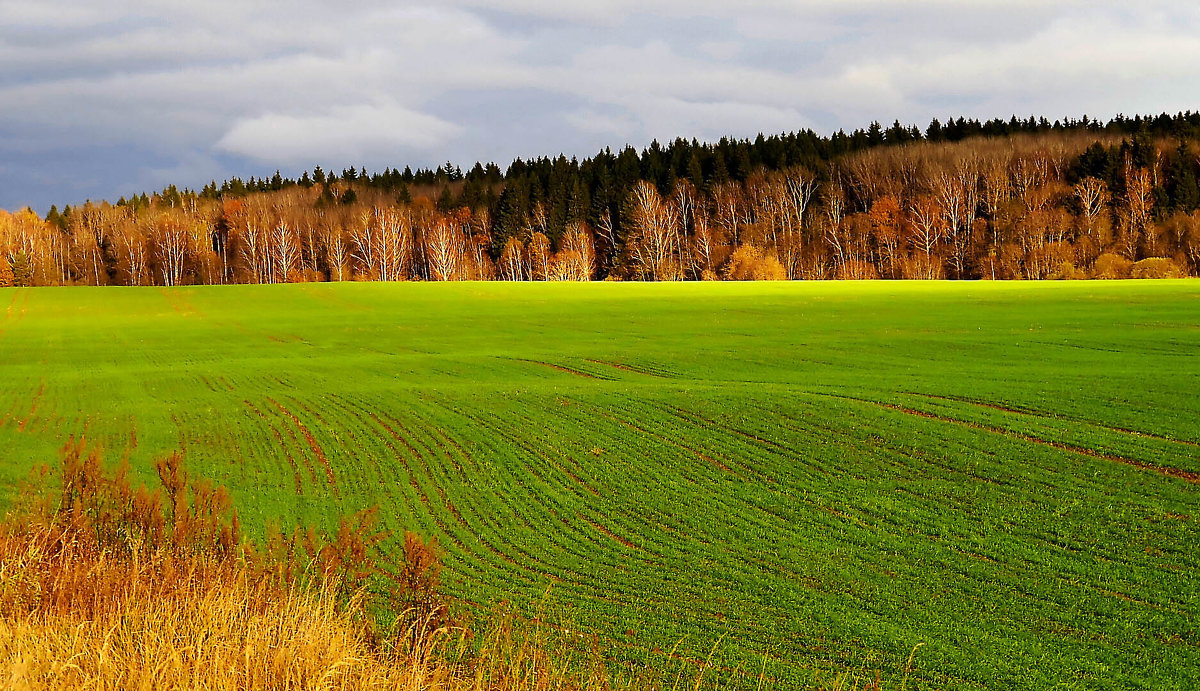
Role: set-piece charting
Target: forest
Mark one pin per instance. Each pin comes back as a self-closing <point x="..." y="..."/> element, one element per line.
<point x="1001" y="199"/>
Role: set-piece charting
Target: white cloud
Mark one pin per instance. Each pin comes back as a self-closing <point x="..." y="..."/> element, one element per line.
<point x="27" y="14"/>
<point x="592" y="120"/>
<point x="1100" y="65"/>
<point x="375" y="132"/>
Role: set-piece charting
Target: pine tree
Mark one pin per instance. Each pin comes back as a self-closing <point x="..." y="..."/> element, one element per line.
<point x="875" y="134"/>
<point x="445" y="201"/>
<point x="695" y="171"/>
<point x="1182" y="192"/>
<point x="22" y="271"/>
<point x="53" y="217"/>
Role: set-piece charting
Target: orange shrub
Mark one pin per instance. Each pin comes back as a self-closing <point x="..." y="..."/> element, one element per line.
<point x="748" y="263"/>
<point x="1156" y="267"/>
<point x="1066" y="271"/>
<point x="1109" y="265"/>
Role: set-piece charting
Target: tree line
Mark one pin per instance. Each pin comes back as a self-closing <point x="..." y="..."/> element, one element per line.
<point x="1015" y="199"/>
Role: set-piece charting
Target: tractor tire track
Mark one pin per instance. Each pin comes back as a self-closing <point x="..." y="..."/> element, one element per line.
<point x="1029" y="413"/>
<point x="8" y="315"/>
<point x="1168" y="471"/>
<point x="312" y="445"/>
<point x="281" y="445"/>
<point x="37" y="398"/>
<point x="563" y="368"/>
<point x="628" y="368"/>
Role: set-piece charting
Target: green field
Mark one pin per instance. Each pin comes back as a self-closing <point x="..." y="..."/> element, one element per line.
<point x="823" y="474"/>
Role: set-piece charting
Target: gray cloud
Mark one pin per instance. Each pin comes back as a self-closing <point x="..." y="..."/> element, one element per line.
<point x="101" y="99"/>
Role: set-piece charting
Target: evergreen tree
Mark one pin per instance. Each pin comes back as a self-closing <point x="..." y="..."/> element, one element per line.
<point x="22" y="271"/>
<point x="445" y="201"/>
<point x="54" y="218"/>
<point x="695" y="171"/>
<point x="1182" y="193"/>
<point x="875" y="134"/>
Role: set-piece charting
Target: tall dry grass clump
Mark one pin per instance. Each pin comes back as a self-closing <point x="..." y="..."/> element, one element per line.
<point x="104" y="585"/>
<point x="217" y="633"/>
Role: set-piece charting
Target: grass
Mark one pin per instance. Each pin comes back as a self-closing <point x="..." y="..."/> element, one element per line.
<point x="818" y="476"/>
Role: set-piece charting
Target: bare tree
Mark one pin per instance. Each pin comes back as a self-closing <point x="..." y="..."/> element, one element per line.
<point x="132" y="248"/>
<point x="653" y="234"/>
<point x="887" y="227"/>
<point x="576" y="260"/>
<point x="997" y="191"/>
<point x="727" y="206"/>
<point x="538" y="252"/>
<point x="444" y="250"/>
<point x="335" y="249"/>
<point x="365" y="248"/>
<point x="1092" y="194"/>
<point x="1138" y="202"/>
<point x="835" y="207"/>
<point x="285" y="253"/>
<point x="171" y="243"/>
<point x="958" y="199"/>
<point x="925" y="234"/>
<point x="512" y="261"/>
<point x="394" y="239"/>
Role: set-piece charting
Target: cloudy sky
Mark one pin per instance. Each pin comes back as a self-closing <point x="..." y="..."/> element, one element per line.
<point x="102" y="99"/>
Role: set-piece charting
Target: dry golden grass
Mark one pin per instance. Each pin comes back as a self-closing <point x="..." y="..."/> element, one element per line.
<point x="219" y="636"/>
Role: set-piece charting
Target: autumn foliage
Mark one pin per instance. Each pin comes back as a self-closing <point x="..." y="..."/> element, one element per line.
<point x="1039" y="202"/>
<point x="748" y="263"/>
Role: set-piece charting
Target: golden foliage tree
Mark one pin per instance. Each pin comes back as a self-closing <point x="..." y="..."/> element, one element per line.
<point x="749" y="263"/>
